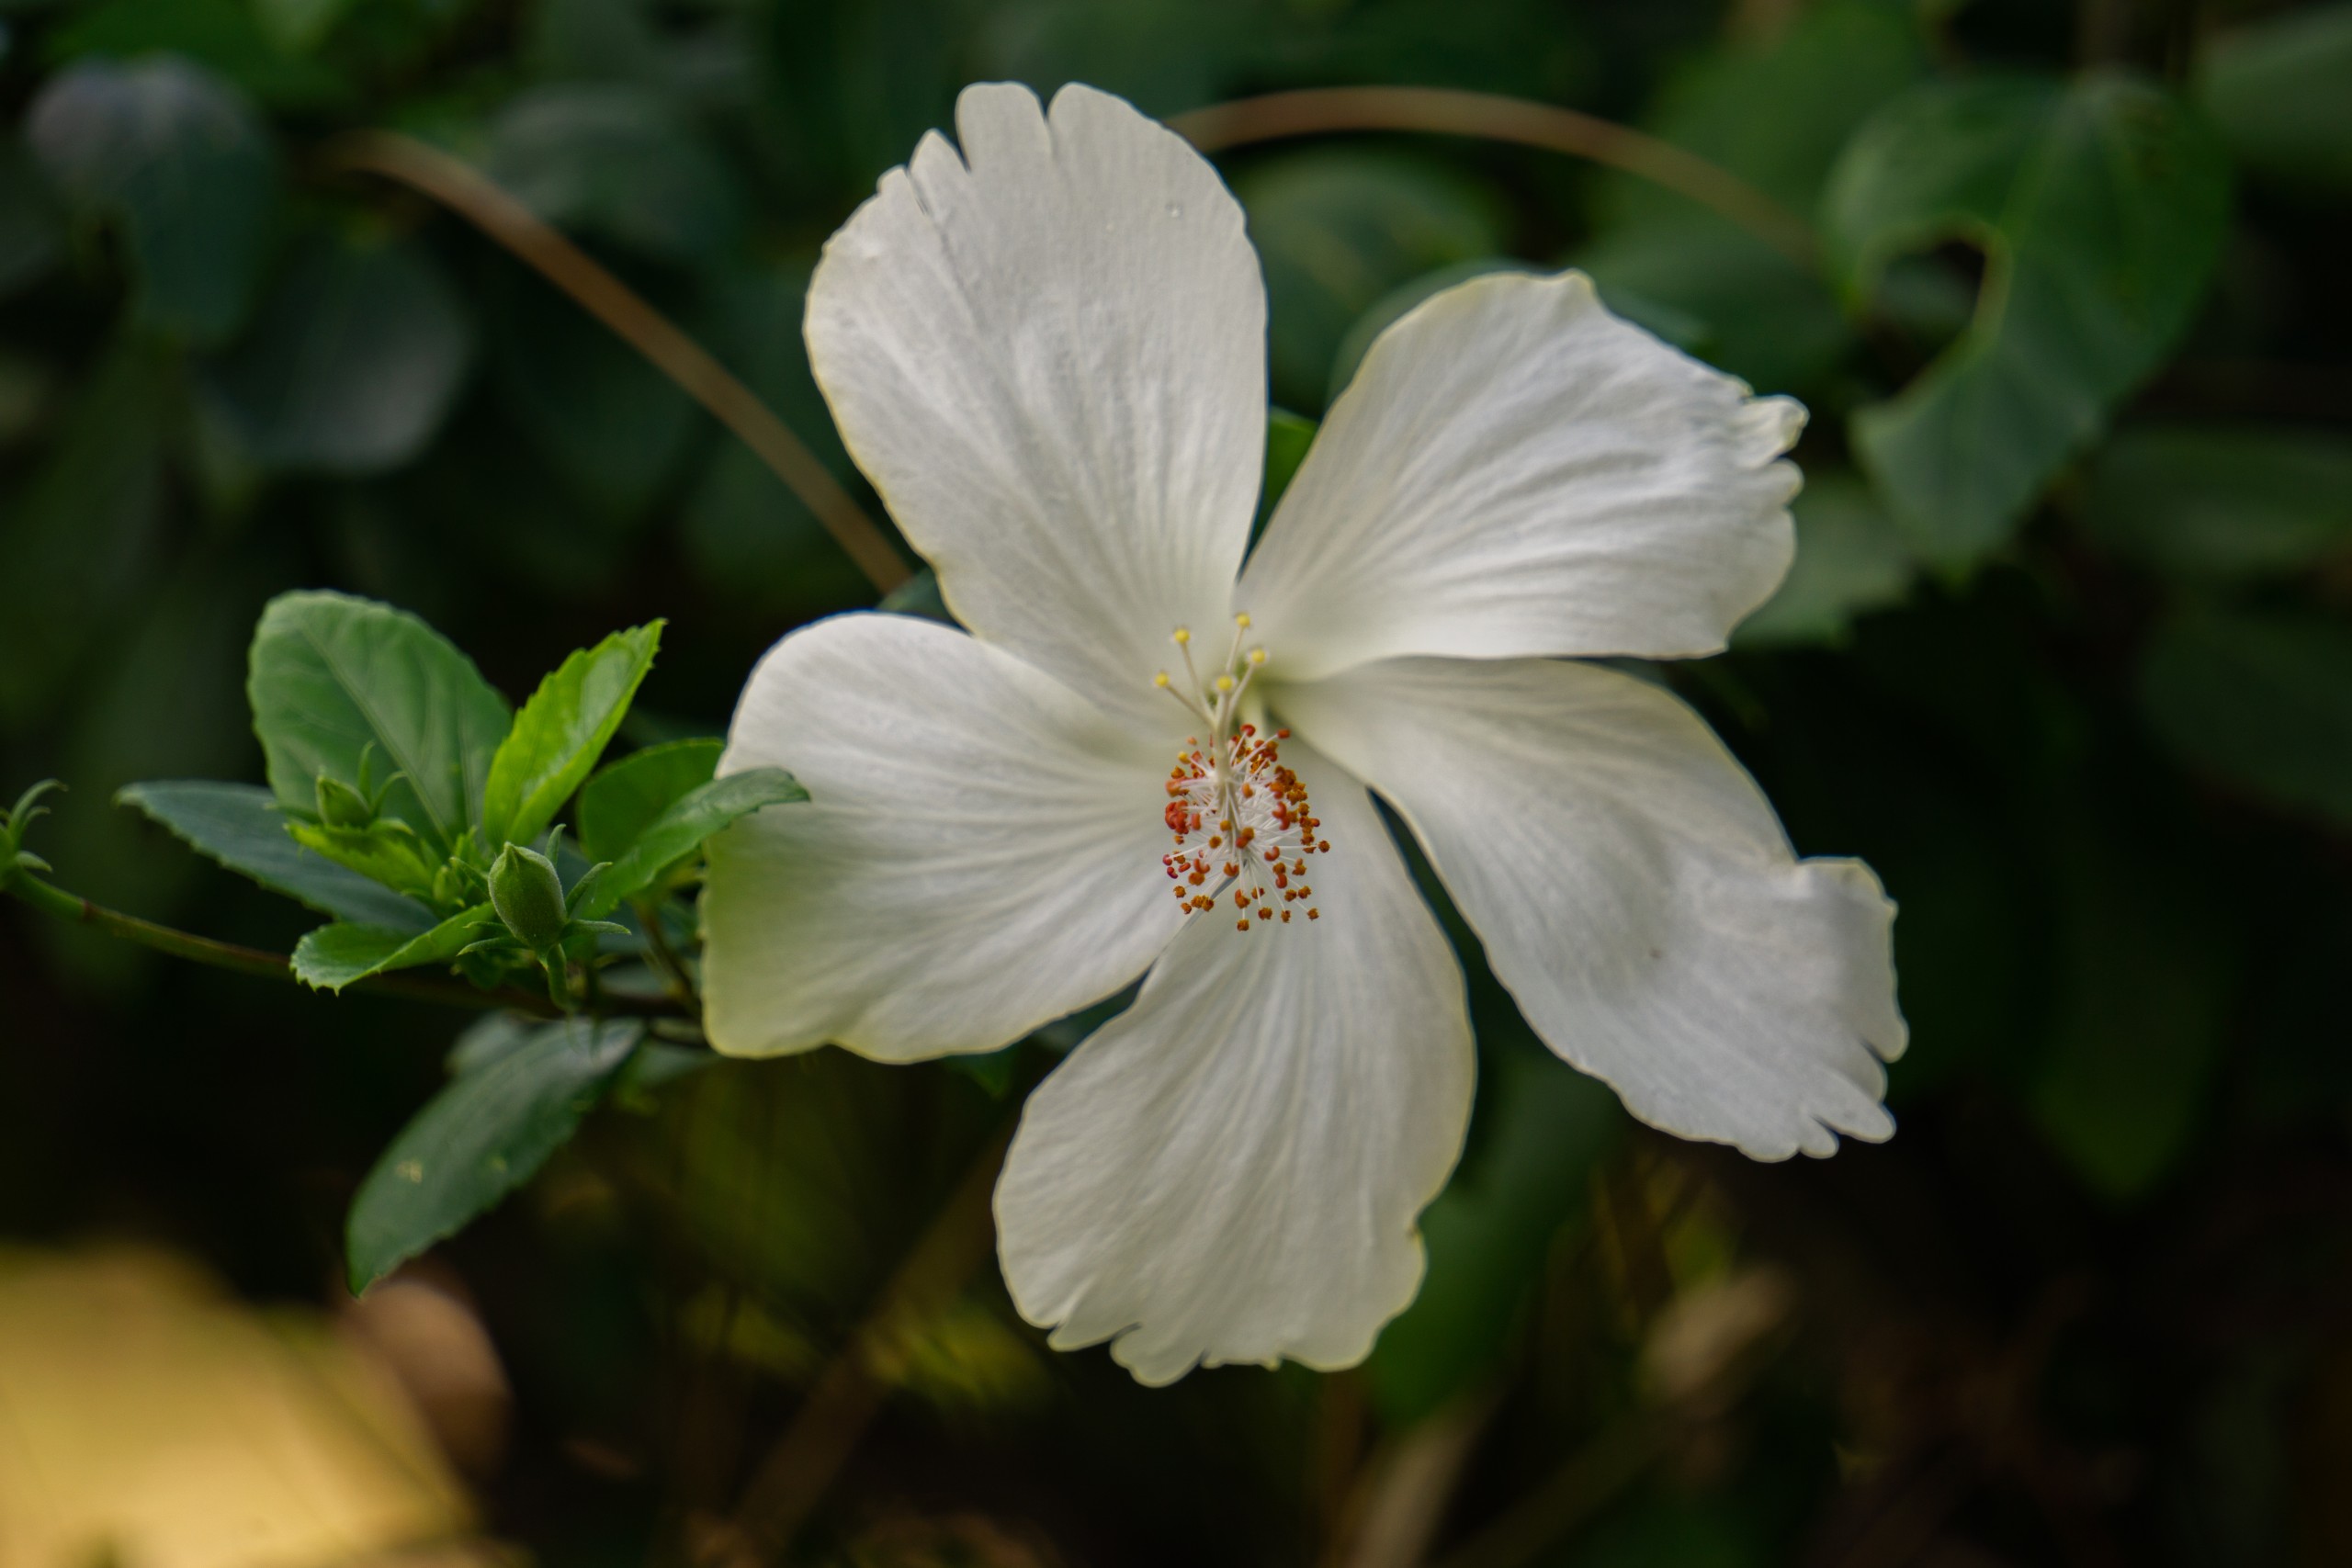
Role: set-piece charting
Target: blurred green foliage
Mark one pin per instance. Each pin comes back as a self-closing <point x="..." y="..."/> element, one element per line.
<point x="2066" y="654"/>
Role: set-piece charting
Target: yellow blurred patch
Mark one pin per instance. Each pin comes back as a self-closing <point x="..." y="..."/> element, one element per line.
<point x="148" y="1420"/>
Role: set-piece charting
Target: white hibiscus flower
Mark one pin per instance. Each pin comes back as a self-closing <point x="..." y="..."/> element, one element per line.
<point x="1047" y="352"/>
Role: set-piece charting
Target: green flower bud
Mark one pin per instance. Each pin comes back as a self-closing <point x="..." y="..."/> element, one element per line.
<point x="528" y="895"/>
<point x="340" y="806"/>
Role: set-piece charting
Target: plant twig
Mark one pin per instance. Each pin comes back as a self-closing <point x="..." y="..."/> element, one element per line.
<point x="1578" y="1489"/>
<point x="255" y="961"/>
<point x="1316" y="111"/>
<point x="1401" y="1497"/>
<point x="467" y="192"/>
<point x="848" y="1393"/>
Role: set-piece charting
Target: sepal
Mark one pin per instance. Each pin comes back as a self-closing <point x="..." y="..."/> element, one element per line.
<point x="528" y="893"/>
<point x="387" y="851"/>
<point x="14" y="823"/>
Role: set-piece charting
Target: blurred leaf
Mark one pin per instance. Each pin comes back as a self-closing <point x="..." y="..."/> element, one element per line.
<point x="240" y="827"/>
<point x="330" y="675"/>
<point x="1774" y="111"/>
<point x="1160" y="55"/>
<point x="489" y="1038"/>
<point x="654" y="1066"/>
<point x="1287" y="438"/>
<point x="2261" y="702"/>
<point x="2224" y="501"/>
<point x="334" y="956"/>
<point x="1386" y="312"/>
<point x="1777" y="106"/>
<point x="479" y="1139"/>
<point x="1671" y="1531"/>
<point x="355" y="360"/>
<point x="2148" y="965"/>
<point x="2276" y="90"/>
<point x="32" y="233"/>
<point x="681" y="829"/>
<point x="967" y="1358"/>
<point x="2101" y="207"/>
<point x="1850" y="559"/>
<point x="1490" y="1230"/>
<point x="223" y="36"/>
<point x="612" y="425"/>
<point x="560" y="733"/>
<point x="82" y="537"/>
<point x="613" y="159"/>
<point x="994" y="1070"/>
<point x="185" y="166"/>
<point x="697" y="55"/>
<point x="1723" y="296"/>
<point x="795" y="1180"/>
<point x="1337" y="228"/>
<point x="299" y="26"/>
<point x="621" y="801"/>
<point x="919" y="595"/>
<point x="163" y="696"/>
<point x="747" y="536"/>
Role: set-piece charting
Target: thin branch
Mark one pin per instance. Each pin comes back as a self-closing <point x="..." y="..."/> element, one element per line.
<point x="1316" y="111"/>
<point x="464" y="191"/>
<point x="257" y="962"/>
<point x="848" y="1393"/>
<point x="1581" y="1488"/>
<point x="1401" y="1497"/>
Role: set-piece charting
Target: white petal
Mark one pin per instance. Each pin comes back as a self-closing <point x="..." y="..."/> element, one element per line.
<point x="1634" y="891"/>
<point x="980" y="854"/>
<point x="1516" y="471"/>
<point x="1231" y="1170"/>
<point x="1049" y="356"/>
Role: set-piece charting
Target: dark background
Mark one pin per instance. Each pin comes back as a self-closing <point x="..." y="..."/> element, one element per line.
<point x="2082" y="694"/>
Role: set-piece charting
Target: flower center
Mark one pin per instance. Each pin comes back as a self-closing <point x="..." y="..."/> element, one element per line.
<point x="1241" y="819"/>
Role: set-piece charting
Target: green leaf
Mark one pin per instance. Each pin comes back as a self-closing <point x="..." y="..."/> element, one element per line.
<point x="1773" y="106"/>
<point x="621" y="801"/>
<point x="1386" y="312"/>
<point x="1850" y="559"/>
<point x="2147" y="963"/>
<point x="614" y="158"/>
<point x="2261" y="702"/>
<point x="330" y="675"/>
<point x="1287" y="438"/>
<point x="335" y="956"/>
<point x="186" y="166"/>
<point x="240" y="827"/>
<point x="299" y="26"/>
<point x="561" y="732"/>
<point x="1543" y="1128"/>
<point x="2101" y="207"/>
<point x="80" y="538"/>
<point x="681" y="828"/>
<point x="2277" y="90"/>
<point x="355" y="359"/>
<point x="479" y="1139"/>
<point x="32" y="233"/>
<point x="612" y="426"/>
<point x="2227" y="501"/>
<point x="919" y="595"/>
<point x="749" y="537"/>
<point x="387" y="852"/>
<point x="223" y="36"/>
<point x="489" y="1038"/>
